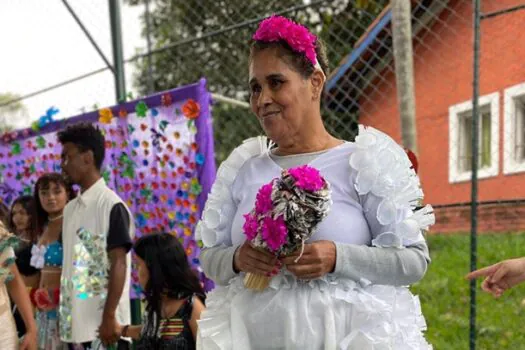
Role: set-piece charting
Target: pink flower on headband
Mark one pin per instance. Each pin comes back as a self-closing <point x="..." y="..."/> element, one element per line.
<point x="298" y="37"/>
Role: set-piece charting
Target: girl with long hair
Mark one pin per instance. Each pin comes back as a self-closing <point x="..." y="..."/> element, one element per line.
<point x="52" y="193"/>
<point x="21" y="221"/>
<point x="174" y="295"/>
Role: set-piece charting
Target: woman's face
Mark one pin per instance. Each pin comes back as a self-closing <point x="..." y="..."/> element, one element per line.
<point x="53" y="198"/>
<point x="279" y="96"/>
<point x="143" y="272"/>
<point x="21" y="218"/>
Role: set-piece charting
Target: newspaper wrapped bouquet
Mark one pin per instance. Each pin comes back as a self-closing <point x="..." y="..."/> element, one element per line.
<point x="286" y="214"/>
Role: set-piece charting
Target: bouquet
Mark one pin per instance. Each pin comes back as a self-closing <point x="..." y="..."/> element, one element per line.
<point x="286" y="214"/>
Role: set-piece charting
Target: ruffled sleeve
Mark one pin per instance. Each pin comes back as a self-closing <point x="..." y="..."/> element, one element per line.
<point x="215" y="226"/>
<point x="389" y="190"/>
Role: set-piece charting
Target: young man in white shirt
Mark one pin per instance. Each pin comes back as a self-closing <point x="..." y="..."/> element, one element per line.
<point x="97" y="237"/>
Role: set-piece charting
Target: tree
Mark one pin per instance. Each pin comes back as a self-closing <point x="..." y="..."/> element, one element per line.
<point x="210" y="38"/>
<point x="403" y="58"/>
<point x="10" y="113"/>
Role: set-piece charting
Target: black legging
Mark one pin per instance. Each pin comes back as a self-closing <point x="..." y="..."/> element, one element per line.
<point x="20" y="325"/>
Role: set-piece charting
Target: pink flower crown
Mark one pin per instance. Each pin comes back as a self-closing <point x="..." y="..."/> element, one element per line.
<point x="298" y="37"/>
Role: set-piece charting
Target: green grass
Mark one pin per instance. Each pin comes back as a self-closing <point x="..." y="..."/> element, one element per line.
<point x="444" y="294"/>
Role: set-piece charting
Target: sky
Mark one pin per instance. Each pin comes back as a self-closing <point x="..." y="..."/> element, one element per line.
<point x="41" y="45"/>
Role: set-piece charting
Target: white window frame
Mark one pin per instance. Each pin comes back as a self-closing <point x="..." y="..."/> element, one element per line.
<point x="512" y="96"/>
<point x="455" y="112"/>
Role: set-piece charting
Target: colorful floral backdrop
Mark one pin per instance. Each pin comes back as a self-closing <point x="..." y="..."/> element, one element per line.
<point x="159" y="159"/>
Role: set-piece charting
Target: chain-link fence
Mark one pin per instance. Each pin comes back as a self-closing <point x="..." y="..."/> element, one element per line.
<point x="211" y="39"/>
<point x="192" y="39"/>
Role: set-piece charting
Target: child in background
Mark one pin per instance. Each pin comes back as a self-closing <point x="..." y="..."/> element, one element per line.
<point x="174" y="296"/>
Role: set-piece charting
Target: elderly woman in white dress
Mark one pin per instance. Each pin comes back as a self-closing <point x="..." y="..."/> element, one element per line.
<point x="348" y="289"/>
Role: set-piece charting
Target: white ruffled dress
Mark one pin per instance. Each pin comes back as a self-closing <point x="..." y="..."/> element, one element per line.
<point x="375" y="194"/>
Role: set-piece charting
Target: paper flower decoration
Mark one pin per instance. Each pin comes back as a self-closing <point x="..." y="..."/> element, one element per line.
<point x="141" y="109"/>
<point x="105" y="116"/>
<point x="166" y="100"/>
<point x="16" y="149"/>
<point x="122" y="113"/>
<point x="40" y="142"/>
<point x="191" y="109"/>
<point x="163" y="124"/>
<point x="48" y="117"/>
<point x="199" y="158"/>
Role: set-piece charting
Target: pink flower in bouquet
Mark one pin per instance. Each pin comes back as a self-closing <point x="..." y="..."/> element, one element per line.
<point x="250" y="226"/>
<point x="274" y="232"/>
<point x="307" y="178"/>
<point x="263" y="202"/>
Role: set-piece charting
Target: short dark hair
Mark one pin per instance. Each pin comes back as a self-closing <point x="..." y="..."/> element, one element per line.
<point x="87" y="137"/>
<point x="41" y="216"/>
<point x="298" y="61"/>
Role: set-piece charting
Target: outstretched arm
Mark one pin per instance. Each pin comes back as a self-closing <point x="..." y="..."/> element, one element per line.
<point x="501" y="276"/>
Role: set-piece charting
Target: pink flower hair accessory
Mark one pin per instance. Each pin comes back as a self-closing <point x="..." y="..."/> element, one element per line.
<point x="298" y="37"/>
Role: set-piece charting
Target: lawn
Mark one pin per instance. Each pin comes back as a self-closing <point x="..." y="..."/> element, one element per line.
<point x="444" y="294"/>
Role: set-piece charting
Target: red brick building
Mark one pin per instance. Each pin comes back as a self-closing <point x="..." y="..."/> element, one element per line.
<point x="443" y="69"/>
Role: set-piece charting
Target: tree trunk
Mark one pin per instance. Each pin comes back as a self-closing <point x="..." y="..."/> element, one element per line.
<point x="404" y="65"/>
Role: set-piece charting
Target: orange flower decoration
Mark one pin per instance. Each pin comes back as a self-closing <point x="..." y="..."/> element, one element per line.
<point x="123" y="113"/>
<point x="105" y="116"/>
<point x="191" y="109"/>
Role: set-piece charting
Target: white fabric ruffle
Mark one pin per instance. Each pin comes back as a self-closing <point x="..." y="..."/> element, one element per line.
<point x="325" y="313"/>
<point x="38" y="256"/>
<point x="219" y="208"/>
<point x="384" y="170"/>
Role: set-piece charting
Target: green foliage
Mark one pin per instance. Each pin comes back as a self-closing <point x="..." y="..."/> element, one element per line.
<point x="444" y="294"/>
<point x="210" y="38"/>
<point x="10" y="112"/>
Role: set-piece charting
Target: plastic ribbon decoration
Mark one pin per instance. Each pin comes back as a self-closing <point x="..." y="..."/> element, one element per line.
<point x="48" y="117"/>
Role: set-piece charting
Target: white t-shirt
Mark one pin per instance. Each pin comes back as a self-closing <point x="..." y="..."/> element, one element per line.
<point x="85" y="268"/>
<point x="346" y="207"/>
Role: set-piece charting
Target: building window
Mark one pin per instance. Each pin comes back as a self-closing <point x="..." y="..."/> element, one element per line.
<point x="514" y="130"/>
<point x="460" y="139"/>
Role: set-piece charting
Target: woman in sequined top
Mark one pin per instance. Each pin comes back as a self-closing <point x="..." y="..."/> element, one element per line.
<point x="52" y="192"/>
<point x="174" y="296"/>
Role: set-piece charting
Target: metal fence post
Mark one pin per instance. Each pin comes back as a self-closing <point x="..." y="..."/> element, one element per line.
<point x="474" y="191"/>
